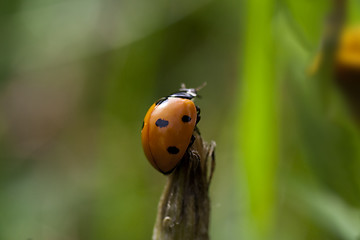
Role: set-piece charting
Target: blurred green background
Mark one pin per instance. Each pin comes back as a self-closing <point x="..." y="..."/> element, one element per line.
<point x="77" y="77"/>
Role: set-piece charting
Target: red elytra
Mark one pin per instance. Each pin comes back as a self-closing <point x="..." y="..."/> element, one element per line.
<point x="167" y="130"/>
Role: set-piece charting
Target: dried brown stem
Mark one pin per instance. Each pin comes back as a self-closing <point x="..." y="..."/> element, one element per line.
<point x="184" y="207"/>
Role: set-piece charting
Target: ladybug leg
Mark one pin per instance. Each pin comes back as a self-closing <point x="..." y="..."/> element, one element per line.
<point x="192" y="140"/>
<point x="198" y="114"/>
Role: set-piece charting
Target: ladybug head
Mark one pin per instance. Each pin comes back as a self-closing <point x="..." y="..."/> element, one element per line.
<point x="189" y="92"/>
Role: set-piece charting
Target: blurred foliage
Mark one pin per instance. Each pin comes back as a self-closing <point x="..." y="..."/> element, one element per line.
<point x="77" y="77"/>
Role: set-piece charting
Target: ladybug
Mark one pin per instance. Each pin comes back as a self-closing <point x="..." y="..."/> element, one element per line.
<point x="168" y="128"/>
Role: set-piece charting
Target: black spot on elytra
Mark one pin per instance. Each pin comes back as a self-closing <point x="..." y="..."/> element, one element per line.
<point x="161" y="123"/>
<point x="173" y="150"/>
<point x="186" y="118"/>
